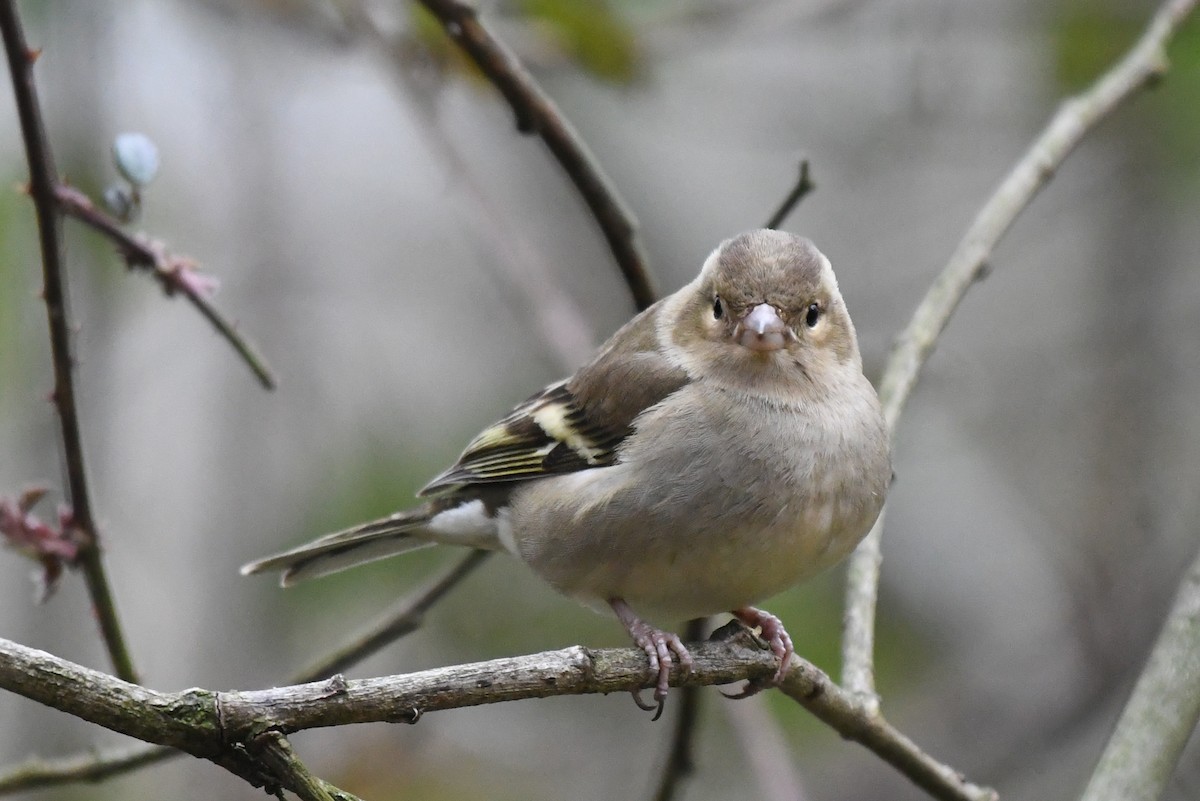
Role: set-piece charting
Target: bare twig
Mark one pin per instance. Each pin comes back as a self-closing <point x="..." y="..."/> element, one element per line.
<point x="1075" y="118"/>
<point x="1162" y="712"/>
<point x="680" y="762"/>
<point x="803" y="186"/>
<point x="213" y="725"/>
<point x="41" y="189"/>
<point x="537" y="113"/>
<point x="173" y="273"/>
<point x="92" y="766"/>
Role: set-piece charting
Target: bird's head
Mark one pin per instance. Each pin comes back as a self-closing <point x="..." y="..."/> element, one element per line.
<point x="765" y="308"/>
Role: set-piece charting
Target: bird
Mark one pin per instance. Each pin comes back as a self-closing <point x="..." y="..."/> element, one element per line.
<point x="721" y="447"/>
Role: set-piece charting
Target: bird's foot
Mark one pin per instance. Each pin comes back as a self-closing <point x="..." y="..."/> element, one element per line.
<point x="659" y="646"/>
<point x="776" y="637"/>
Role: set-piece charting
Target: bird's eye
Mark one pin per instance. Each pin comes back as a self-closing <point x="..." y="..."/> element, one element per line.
<point x="718" y="309"/>
<point x="813" y="315"/>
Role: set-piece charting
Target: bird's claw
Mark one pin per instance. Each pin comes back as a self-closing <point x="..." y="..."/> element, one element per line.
<point x="662" y="650"/>
<point x="777" y="639"/>
<point x="656" y="708"/>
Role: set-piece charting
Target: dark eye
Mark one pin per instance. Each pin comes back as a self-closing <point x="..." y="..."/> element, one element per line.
<point x="813" y="315"/>
<point x="718" y="309"/>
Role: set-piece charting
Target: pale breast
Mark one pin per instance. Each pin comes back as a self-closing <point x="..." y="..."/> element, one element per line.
<point x="715" y="504"/>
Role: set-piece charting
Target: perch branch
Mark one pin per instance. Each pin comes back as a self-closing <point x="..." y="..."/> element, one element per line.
<point x="219" y="726"/>
<point x="1077" y="116"/>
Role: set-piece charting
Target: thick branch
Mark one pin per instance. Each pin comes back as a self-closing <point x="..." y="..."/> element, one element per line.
<point x="212" y="725"/>
<point x="274" y="751"/>
<point x="1075" y="118"/>
<point x="42" y="180"/>
<point x="1162" y="712"/>
<point x="537" y="113"/>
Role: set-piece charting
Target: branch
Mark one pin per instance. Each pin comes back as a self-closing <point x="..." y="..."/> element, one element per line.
<point x="41" y="189"/>
<point x="1162" y="712"/>
<point x="220" y="726"/>
<point x="766" y="748"/>
<point x="1076" y="117"/>
<point x="276" y="753"/>
<point x="174" y="273"/>
<point x="93" y="766"/>
<point x="537" y="113"/>
<point x="521" y="271"/>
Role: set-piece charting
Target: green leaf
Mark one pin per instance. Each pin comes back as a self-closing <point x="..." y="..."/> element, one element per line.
<point x="591" y="33"/>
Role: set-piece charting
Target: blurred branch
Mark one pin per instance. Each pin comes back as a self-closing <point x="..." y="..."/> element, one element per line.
<point x="406" y="618"/>
<point x="174" y="273"/>
<point x="771" y="757"/>
<point x="219" y="726"/>
<point x="524" y="279"/>
<point x="680" y="762"/>
<point x="1076" y="117"/>
<point x="42" y="181"/>
<point x="537" y="113"/>
<point x="1162" y="712"/>
<point x="803" y="186"/>
<point x="92" y="766"/>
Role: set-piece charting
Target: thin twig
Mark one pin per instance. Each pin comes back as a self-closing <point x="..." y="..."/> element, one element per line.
<point x="803" y="186"/>
<point x="537" y="113"/>
<point x="406" y="618"/>
<point x="1162" y="712"/>
<point x="521" y="271"/>
<point x="169" y="270"/>
<point x="213" y="725"/>
<point x="1076" y="117"/>
<point x="680" y="761"/>
<point x="94" y="766"/>
<point x="42" y="181"/>
<point x="771" y="757"/>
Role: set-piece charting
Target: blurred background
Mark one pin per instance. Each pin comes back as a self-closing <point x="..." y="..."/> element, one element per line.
<point x="411" y="266"/>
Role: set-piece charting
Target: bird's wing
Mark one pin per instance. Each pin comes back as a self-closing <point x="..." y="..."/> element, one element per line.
<point x="573" y="424"/>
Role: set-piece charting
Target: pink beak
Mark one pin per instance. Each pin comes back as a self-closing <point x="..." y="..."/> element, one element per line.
<point x="762" y="329"/>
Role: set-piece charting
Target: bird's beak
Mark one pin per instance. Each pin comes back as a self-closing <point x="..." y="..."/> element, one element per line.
<point x="762" y="329"/>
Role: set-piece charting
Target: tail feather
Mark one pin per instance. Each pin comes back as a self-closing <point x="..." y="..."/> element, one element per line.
<point x="358" y="545"/>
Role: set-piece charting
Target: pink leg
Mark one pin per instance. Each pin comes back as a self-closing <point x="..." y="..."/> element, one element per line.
<point x="658" y="645"/>
<point x="776" y="636"/>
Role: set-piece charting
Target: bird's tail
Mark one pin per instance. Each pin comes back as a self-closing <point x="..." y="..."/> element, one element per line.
<point x="363" y="543"/>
